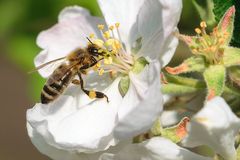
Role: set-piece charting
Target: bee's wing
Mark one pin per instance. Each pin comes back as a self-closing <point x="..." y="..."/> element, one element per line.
<point x="60" y="72"/>
<point x="46" y="64"/>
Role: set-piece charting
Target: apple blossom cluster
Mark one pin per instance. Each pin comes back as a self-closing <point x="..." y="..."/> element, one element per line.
<point x="152" y="113"/>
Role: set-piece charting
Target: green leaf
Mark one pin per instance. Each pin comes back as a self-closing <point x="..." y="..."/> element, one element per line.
<point x="231" y="56"/>
<point x="215" y="79"/>
<point x="193" y="64"/>
<point x="220" y="7"/>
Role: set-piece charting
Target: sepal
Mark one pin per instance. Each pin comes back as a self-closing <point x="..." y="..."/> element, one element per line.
<point x="231" y="56"/>
<point x="193" y="64"/>
<point x="181" y="85"/>
<point x="215" y="79"/>
<point x="234" y="74"/>
<point x="226" y="24"/>
<point x="177" y="132"/>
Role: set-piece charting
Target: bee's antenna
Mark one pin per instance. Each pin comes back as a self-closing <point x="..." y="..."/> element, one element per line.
<point x="89" y="40"/>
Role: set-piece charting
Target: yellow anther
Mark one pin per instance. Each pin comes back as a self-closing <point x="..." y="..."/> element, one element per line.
<point x="101" y="27"/>
<point x="213" y="48"/>
<point x="100" y="51"/>
<point x="91" y="35"/>
<point x="98" y="65"/>
<point x="92" y="94"/>
<point x="98" y="42"/>
<point x="195" y="50"/>
<point x="117" y="25"/>
<point x="198" y="31"/>
<point x="100" y="72"/>
<point x="106" y="34"/>
<point x="108" y="60"/>
<point x="203" y="24"/>
<point x="221" y="40"/>
<point x="115" y="44"/>
<point x="111" y="27"/>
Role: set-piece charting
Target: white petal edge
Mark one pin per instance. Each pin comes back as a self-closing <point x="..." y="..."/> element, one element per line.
<point x="154" y="149"/>
<point x="158" y="39"/>
<point x="123" y="12"/>
<point x="142" y="104"/>
<point x="66" y="124"/>
<point x="214" y="125"/>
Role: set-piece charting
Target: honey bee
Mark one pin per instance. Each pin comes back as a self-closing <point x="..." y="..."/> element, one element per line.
<point x="75" y="64"/>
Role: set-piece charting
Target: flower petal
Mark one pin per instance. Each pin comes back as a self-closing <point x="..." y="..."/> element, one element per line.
<point x="158" y="38"/>
<point x="142" y="104"/>
<point x="56" y="153"/>
<point x="123" y="12"/>
<point x="216" y="126"/>
<point x="75" y="24"/>
<point x="154" y="149"/>
<point x="168" y="50"/>
<point x="67" y="124"/>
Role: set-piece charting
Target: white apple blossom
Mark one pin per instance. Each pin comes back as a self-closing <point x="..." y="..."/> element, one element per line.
<point x="216" y="126"/>
<point x="154" y="149"/>
<point x="74" y="125"/>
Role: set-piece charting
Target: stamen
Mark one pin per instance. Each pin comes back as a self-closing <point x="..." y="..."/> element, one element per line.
<point x="91" y="35"/>
<point x="106" y="34"/>
<point x="111" y="27"/>
<point x="117" y="25"/>
<point x="203" y="24"/>
<point x="108" y="60"/>
<point x="198" y="31"/>
<point x="101" y="27"/>
<point x="98" y="42"/>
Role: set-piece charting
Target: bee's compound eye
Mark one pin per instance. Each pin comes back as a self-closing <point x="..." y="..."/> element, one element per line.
<point x="93" y="51"/>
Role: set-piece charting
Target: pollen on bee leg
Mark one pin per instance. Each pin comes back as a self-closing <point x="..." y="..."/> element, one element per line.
<point x="92" y="94"/>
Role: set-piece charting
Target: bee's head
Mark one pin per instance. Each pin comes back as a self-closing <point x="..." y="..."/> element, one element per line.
<point x="94" y="50"/>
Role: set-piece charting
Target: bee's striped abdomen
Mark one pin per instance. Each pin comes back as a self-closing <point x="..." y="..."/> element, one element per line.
<point x="53" y="88"/>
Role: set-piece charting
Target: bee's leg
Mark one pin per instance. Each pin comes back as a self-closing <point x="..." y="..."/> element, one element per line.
<point x="76" y="82"/>
<point x="93" y="63"/>
<point x="91" y="94"/>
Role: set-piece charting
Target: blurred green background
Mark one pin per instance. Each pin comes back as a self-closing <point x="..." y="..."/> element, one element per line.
<point x="20" y="23"/>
